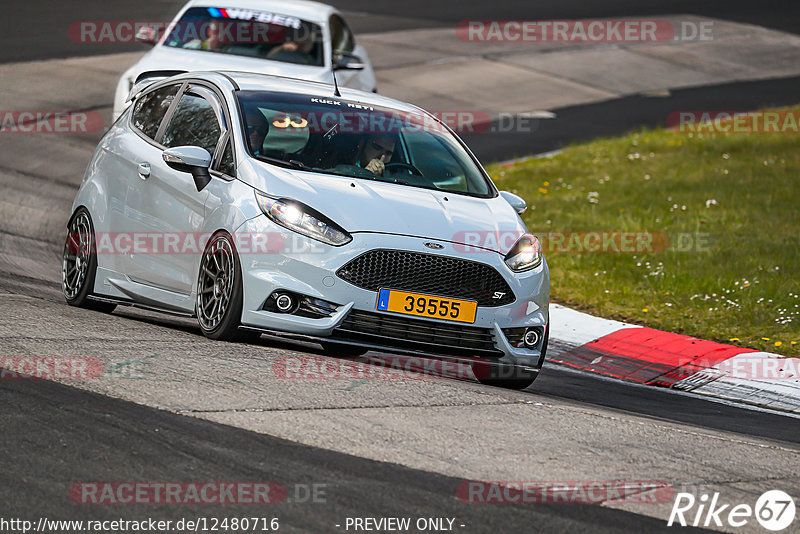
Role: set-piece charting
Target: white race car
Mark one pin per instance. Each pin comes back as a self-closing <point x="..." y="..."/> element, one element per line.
<point x="264" y="204"/>
<point x="297" y="39"/>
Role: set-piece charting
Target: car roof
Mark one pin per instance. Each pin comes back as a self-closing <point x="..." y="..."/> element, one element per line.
<point x="303" y="9"/>
<point x="249" y="81"/>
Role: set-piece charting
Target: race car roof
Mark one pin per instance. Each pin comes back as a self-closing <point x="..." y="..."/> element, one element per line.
<point x="303" y="9"/>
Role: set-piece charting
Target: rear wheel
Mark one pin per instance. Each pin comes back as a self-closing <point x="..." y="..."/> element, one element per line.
<point x="79" y="264"/>
<point x="219" y="292"/>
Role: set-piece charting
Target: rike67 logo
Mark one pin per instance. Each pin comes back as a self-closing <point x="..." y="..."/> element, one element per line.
<point x="774" y="510"/>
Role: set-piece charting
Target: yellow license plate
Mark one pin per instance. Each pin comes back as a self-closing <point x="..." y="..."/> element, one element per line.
<point x="392" y="300"/>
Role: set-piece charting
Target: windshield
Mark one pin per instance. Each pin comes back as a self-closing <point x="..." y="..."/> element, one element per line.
<point x="246" y="32"/>
<point x="334" y="136"/>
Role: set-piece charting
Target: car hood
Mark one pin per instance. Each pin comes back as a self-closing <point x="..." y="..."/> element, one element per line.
<point x="362" y="205"/>
<point x="168" y="58"/>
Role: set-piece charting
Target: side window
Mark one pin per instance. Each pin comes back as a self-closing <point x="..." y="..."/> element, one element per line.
<point x="226" y="162"/>
<point x="342" y="39"/>
<point x="149" y="110"/>
<point x="194" y="123"/>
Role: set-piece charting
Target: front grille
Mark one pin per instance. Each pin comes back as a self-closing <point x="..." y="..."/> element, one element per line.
<point x="428" y="273"/>
<point x="416" y="334"/>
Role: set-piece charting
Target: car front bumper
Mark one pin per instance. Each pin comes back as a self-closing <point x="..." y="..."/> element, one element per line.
<point x="306" y="267"/>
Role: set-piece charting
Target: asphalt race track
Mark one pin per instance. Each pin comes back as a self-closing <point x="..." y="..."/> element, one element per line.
<point x="35" y="20"/>
<point x="131" y="442"/>
<point x="197" y="410"/>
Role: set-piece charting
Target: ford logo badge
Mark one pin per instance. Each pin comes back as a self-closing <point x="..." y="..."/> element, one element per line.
<point x="434" y="246"/>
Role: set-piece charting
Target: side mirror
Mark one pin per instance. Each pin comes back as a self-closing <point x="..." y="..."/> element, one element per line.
<point x="191" y="159"/>
<point x="345" y="61"/>
<point x="147" y="35"/>
<point x="516" y="202"/>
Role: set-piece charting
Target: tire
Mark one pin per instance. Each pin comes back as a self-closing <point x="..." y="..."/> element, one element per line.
<point x="219" y="292"/>
<point x="79" y="264"/>
<point x="504" y="376"/>
<point x="332" y="348"/>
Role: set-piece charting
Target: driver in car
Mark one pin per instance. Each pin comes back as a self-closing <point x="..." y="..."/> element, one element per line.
<point x="297" y="50"/>
<point x="376" y="152"/>
<point x="257" y="130"/>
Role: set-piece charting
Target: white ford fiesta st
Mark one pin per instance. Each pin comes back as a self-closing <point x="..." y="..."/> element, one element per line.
<point x="262" y="204"/>
<point x="297" y="38"/>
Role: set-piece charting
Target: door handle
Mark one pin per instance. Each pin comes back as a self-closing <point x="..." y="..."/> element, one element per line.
<point x="144" y="170"/>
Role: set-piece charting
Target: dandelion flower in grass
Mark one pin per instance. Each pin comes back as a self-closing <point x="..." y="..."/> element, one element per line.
<point x="546" y="183"/>
<point x="542" y="190"/>
<point x="644" y="310"/>
<point x="778" y="343"/>
<point x="794" y="342"/>
<point x="734" y="339"/>
<point x="765" y="338"/>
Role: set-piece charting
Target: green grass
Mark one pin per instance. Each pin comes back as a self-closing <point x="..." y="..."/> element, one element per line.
<point x="739" y="192"/>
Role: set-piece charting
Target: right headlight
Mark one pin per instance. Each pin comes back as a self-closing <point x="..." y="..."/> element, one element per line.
<point x="303" y="219"/>
<point x="525" y="254"/>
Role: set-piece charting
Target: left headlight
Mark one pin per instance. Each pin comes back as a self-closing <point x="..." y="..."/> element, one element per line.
<point x="303" y="219"/>
<point x="525" y="254"/>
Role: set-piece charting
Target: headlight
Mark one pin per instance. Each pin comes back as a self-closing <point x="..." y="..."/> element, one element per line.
<point x="525" y="254"/>
<point x="303" y="219"/>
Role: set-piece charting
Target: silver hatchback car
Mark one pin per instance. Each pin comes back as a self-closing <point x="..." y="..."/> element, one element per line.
<point x="262" y="204"/>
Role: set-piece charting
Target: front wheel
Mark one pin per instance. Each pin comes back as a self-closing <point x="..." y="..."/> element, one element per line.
<point x="219" y="291"/>
<point x="79" y="264"/>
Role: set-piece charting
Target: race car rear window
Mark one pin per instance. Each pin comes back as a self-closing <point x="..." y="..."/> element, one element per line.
<point x="248" y="32"/>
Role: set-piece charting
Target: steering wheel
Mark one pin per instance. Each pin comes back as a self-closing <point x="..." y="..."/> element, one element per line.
<point x="402" y="165"/>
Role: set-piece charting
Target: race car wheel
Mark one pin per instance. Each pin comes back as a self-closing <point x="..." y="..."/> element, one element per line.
<point x="79" y="264"/>
<point x="219" y="291"/>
